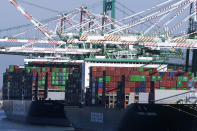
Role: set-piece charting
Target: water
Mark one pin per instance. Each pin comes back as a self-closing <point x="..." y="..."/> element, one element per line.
<point x="7" y="125"/>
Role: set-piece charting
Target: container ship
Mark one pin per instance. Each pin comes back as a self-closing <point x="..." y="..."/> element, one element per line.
<point x="133" y="96"/>
<point x="35" y="93"/>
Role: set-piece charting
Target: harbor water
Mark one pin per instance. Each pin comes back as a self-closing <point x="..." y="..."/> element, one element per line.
<point x="7" y="125"/>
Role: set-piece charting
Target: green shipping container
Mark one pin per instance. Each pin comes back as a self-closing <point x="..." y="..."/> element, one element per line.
<point x="39" y="83"/>
<point x="142" y="78"/>
<point x="43" y="78"/>
<point x="43" y="82"/>
<point x="150" y="70"/>
<point x="153" y="78"/>
<point x="53" y="82"/>
<point x="56" y="82"/>
<point x="179" y="83"/>
<point x="61" y="87"/>
<point x="162" y="88"/>
<point x="64" y="70"/>
<point x="39" y="70"/>
<point x="190" y="73"/>
<point x="56" y="69"/>
<point x="159" y="78"/>
<point x="53" y="78"/>
<point x="63" y="83"/>
<point x="108" y="78"/>
<point x="63" y="78"/>
<point x="56" y="78"/>
<point x="42" y="87"/>
<point x="132" y="78"/>
<point x="180" y="78"/>
<point x="195" y="78"/>
<point x="43" y="69"/>
<point x="53" y="74"/>
<point x="100" y="79"/>
<point x="185" y="78"/>
<point x="185" y="88"/>
<point x="173" y="88"/>
<point x="140" y="69"/>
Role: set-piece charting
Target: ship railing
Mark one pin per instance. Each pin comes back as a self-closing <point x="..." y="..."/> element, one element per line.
<point x="182" y="98"/>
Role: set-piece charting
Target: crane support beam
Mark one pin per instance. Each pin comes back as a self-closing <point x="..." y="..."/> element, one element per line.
<point x="31" y="19"/>
<point x="35" y="50"/>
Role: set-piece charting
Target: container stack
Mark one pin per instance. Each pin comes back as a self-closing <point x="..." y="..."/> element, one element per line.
<point x="17" y="83"/>
<point x="139" y="80"/>
<point x="43" y="77"/>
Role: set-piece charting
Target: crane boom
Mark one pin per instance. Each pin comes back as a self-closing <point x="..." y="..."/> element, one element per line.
<point x="31" y="19"/>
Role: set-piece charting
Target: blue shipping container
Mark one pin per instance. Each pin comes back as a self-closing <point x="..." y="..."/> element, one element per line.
<point x="171" y="74"/>
<point x="60" y="74"/>
<point x="142" y="84"/>
<point x="60" y="78"/>
<point x="100" y="85"/>
<point x="161" y="73"/>
<point x="137" y="90"/>
<point x="34" y="78"/>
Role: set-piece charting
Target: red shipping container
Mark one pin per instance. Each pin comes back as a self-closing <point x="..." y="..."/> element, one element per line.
<point x="148" y="78"/>
<point x="108" y="73"/>
<point x="99" y="74"/>
<point x="112" y="68"/>
<point x="34" y="82"/>
<point x="67" y="70"/>
<point x="137" y="84"/>
<point x="107" y="85"/>
<point x="99" y="69"/>
<point x="173" y="83"/>
<point x="55" y="87"/>
<point x="157" y="84"/>
<point x="117" y="73"/>
<point x="39" y="78"/>
<point x="47" y="69"/>
<point x="184" y="84"/>
<point x="100" y="90"/>
<point x="168" y="83"/>
<point x="43" y="73"/>
<point x="49" y="74"/>
<point x="94" y="68"/>
<point x="112" y="73"/>
<point x="186" y="74"/>
<point x="148" y="90"/>
<point x="127" y="90"/>
<point x="113" y="78"/>
<point x="132" y="89"/>
<point x="132" y="84"/>
<point x="50" y="87"/>
<point x="195" y="84"/>
<point x="127" y="84"/>
<point x="93" y="74"/>
<point x="53" y="69"/>
<point x="39" y="74"/>
<point x="118" y="78"/>
<point x="189" y="78"/>
<point x="60" y="69"/>
<point x="163" y="83"/>
<point x="148" y="84"/>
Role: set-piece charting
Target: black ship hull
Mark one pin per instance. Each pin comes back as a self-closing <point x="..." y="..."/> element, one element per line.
<point x="36" y="112"/>
<point x="136" y="117"/>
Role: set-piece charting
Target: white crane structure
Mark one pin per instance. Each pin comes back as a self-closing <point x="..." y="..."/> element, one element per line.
<point x="86" y="28"/>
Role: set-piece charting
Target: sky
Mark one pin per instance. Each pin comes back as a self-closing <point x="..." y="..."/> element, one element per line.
<point x="10" y="17"/>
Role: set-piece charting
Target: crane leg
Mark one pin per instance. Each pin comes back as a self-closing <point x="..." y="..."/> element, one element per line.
<point x="187" y="60"/>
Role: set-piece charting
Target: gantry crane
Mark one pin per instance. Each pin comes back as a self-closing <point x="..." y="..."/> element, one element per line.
<point x="83" y="32"/>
